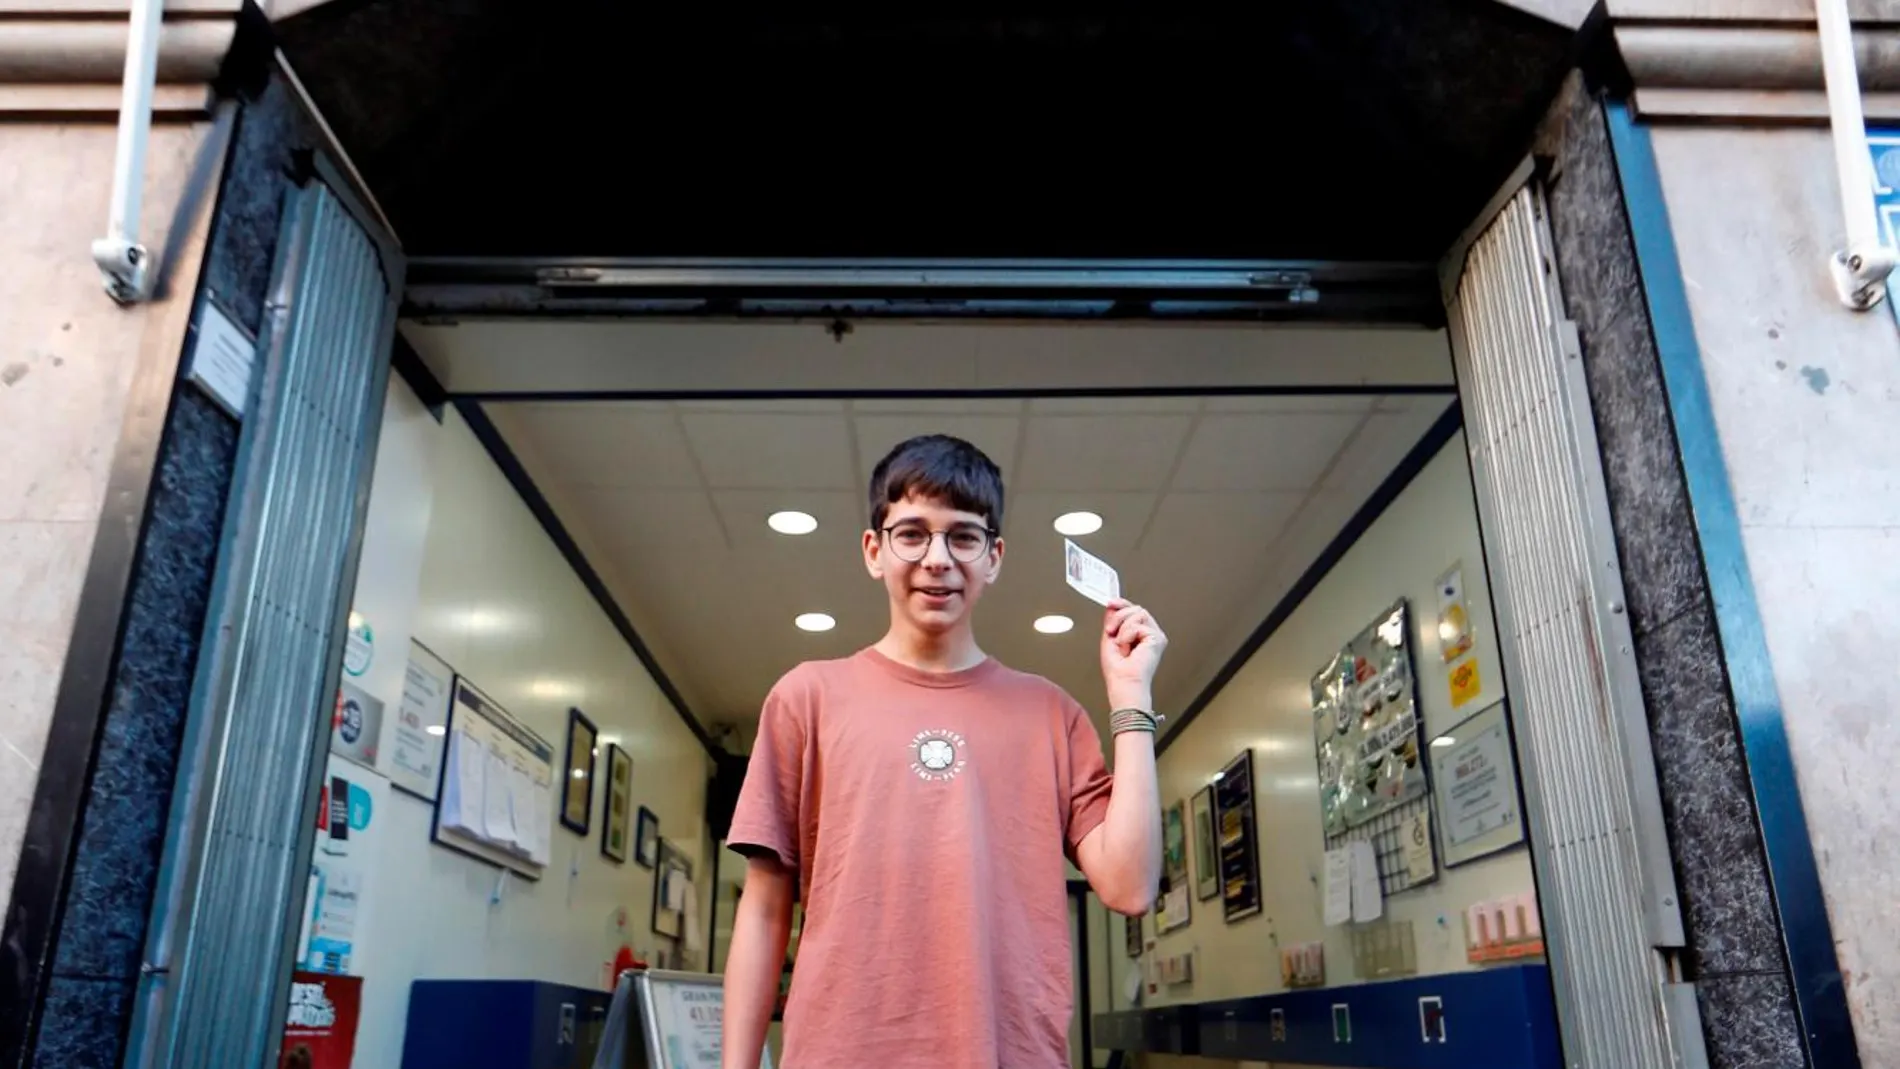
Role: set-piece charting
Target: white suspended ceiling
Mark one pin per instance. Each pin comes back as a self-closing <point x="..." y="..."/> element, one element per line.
<point x="1213" y="505"/>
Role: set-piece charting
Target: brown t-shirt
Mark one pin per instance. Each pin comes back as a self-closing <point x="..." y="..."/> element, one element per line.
<point x="928" y="816"/>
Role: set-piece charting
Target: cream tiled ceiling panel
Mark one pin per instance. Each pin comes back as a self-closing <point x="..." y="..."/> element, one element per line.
<point x="1391" y="430"/>
<point x="610" y="443"/>
<point x="1252" y="453"/>
<point x="747" y="450"/>
<point x="1101" y="452"/>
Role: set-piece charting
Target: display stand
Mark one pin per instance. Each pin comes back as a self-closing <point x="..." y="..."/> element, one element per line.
<point x="661" y="1019"/>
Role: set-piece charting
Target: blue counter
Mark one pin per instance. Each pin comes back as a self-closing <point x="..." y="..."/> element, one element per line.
<point x="1500" y="1018"/>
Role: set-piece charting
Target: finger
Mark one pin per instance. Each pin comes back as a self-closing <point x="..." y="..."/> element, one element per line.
<point x="1133" y="636"/>
<point x="1119" y="619"/>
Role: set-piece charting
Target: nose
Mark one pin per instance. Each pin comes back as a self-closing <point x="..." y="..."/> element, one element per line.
<point x="937" y="554"/>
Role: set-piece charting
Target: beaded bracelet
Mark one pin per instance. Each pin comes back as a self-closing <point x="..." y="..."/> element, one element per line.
<point x="1122" y="720"/>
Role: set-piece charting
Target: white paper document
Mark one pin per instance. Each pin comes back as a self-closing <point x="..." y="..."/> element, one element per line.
<point x="498" y="816"/>
<point x="540" y="842"/>
<point x="1090" y="574"/>
<point x="1338" y="887"/>
<point x="1368" y="900"/>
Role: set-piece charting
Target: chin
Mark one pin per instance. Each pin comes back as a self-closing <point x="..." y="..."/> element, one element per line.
<point x="933" y="623"/>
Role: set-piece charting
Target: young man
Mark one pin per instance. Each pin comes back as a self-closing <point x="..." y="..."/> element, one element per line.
<point x="919" y="797"/>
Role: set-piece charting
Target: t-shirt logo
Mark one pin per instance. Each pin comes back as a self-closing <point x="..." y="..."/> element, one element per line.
<point x="937" y="755"/>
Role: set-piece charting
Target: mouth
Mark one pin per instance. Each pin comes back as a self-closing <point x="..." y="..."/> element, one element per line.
<point x="936" y="592"/>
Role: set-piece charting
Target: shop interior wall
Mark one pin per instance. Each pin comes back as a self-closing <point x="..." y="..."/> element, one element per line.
<point x="453" y="557"/>
<point x="1428" y="529"/>
<point x="65" y="377"/>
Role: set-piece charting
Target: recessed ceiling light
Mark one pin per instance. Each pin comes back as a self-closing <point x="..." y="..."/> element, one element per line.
<point x="1443" y="741"/>
<point x="815" y="621"/>
<point x="792" y="523"/>
<point x="436" y="729"/>
<point x="1053" y="625"/>
<point x="1075" y="524"/>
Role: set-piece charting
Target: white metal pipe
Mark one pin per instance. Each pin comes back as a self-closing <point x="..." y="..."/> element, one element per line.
<point x="1861" y="267"/>
<point x="120" y="255"/>
<point x="1853" y="163"/>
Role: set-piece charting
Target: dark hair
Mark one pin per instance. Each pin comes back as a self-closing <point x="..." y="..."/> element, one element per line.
<point x="941" y="468"/>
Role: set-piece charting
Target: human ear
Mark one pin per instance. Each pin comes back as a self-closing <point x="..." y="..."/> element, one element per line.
<point x="996" y="560"/>
<point x="873" y="555"/>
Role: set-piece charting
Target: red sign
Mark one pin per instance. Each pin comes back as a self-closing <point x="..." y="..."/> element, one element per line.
<point x="320" y="1032"/>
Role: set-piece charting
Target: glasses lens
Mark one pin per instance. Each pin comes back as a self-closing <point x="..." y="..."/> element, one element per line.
<point x="910" y="543"/>
<point x="968" y="543"/>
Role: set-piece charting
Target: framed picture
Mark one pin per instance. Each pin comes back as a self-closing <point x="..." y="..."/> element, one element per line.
<point x="1131" y="936"/>
<point x="1475" y="785"/>
<point x="577" y="779"/>
<point x="1174" y="905"/>
<point x="646" y="839"/>
<point x="616" y="833"/>
<point x="1206" y="855"/>
<point x="672" y="873"/>
<point x="1239" y="842"/>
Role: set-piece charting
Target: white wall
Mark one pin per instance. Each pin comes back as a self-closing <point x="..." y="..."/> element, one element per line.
<point x="1430" y="526"/>
<point x="1806" y="397"/>
<point x="453" y="557"/>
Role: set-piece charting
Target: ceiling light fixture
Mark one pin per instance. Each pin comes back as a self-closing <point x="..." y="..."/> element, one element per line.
<point x="1053" y="625"/>
<point x="792" y="523"/>
<point x="814" y="621"/>
<point x="1443" y="741"/>
<point x="1076" y="524"/>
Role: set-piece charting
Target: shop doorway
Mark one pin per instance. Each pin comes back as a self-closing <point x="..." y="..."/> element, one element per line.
<point x="1503" y="367"/>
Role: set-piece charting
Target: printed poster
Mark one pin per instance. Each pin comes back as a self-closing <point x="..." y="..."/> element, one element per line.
<point x="348" y="819"/>
<point x="320" y="1029"/>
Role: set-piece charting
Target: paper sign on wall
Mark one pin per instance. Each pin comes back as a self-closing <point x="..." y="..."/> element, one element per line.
<point x="223" y="359"/>
<point x="415" y="751"/>
<point x="1464" y="681"/>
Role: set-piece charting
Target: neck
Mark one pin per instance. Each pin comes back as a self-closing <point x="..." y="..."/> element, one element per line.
<point x="950" y="651"/>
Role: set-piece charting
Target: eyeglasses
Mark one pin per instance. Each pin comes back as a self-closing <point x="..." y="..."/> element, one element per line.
<point x="967" y="542"/>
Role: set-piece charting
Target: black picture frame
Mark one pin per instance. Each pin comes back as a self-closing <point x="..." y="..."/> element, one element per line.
<point x="673" y="864"/>
<point x="1239" y="843"/>
<point x="646" y="839"/>
<point x="1131" y="935"/>
<point x="616" y="806"/>
<point x="577" y="775"/>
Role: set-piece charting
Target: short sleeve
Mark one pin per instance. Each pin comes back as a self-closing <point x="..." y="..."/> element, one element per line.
<point x="766" y="819"/>
<point x="1089" y="779"/>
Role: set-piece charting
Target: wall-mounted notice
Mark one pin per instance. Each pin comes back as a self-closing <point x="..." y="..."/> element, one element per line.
<point x="496" y="797"/>
<point x="415" y="753"/>
<point x="1366" y="726"/>
<point x="223" y="359"/>
<point x="1475" y="776"/>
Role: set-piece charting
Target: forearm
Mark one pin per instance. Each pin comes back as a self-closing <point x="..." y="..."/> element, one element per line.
<point x="1130" y="859"/>
<point x="754" y="962"/>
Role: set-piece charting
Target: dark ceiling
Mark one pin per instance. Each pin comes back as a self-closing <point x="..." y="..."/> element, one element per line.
<point x="1298" y="129"/>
